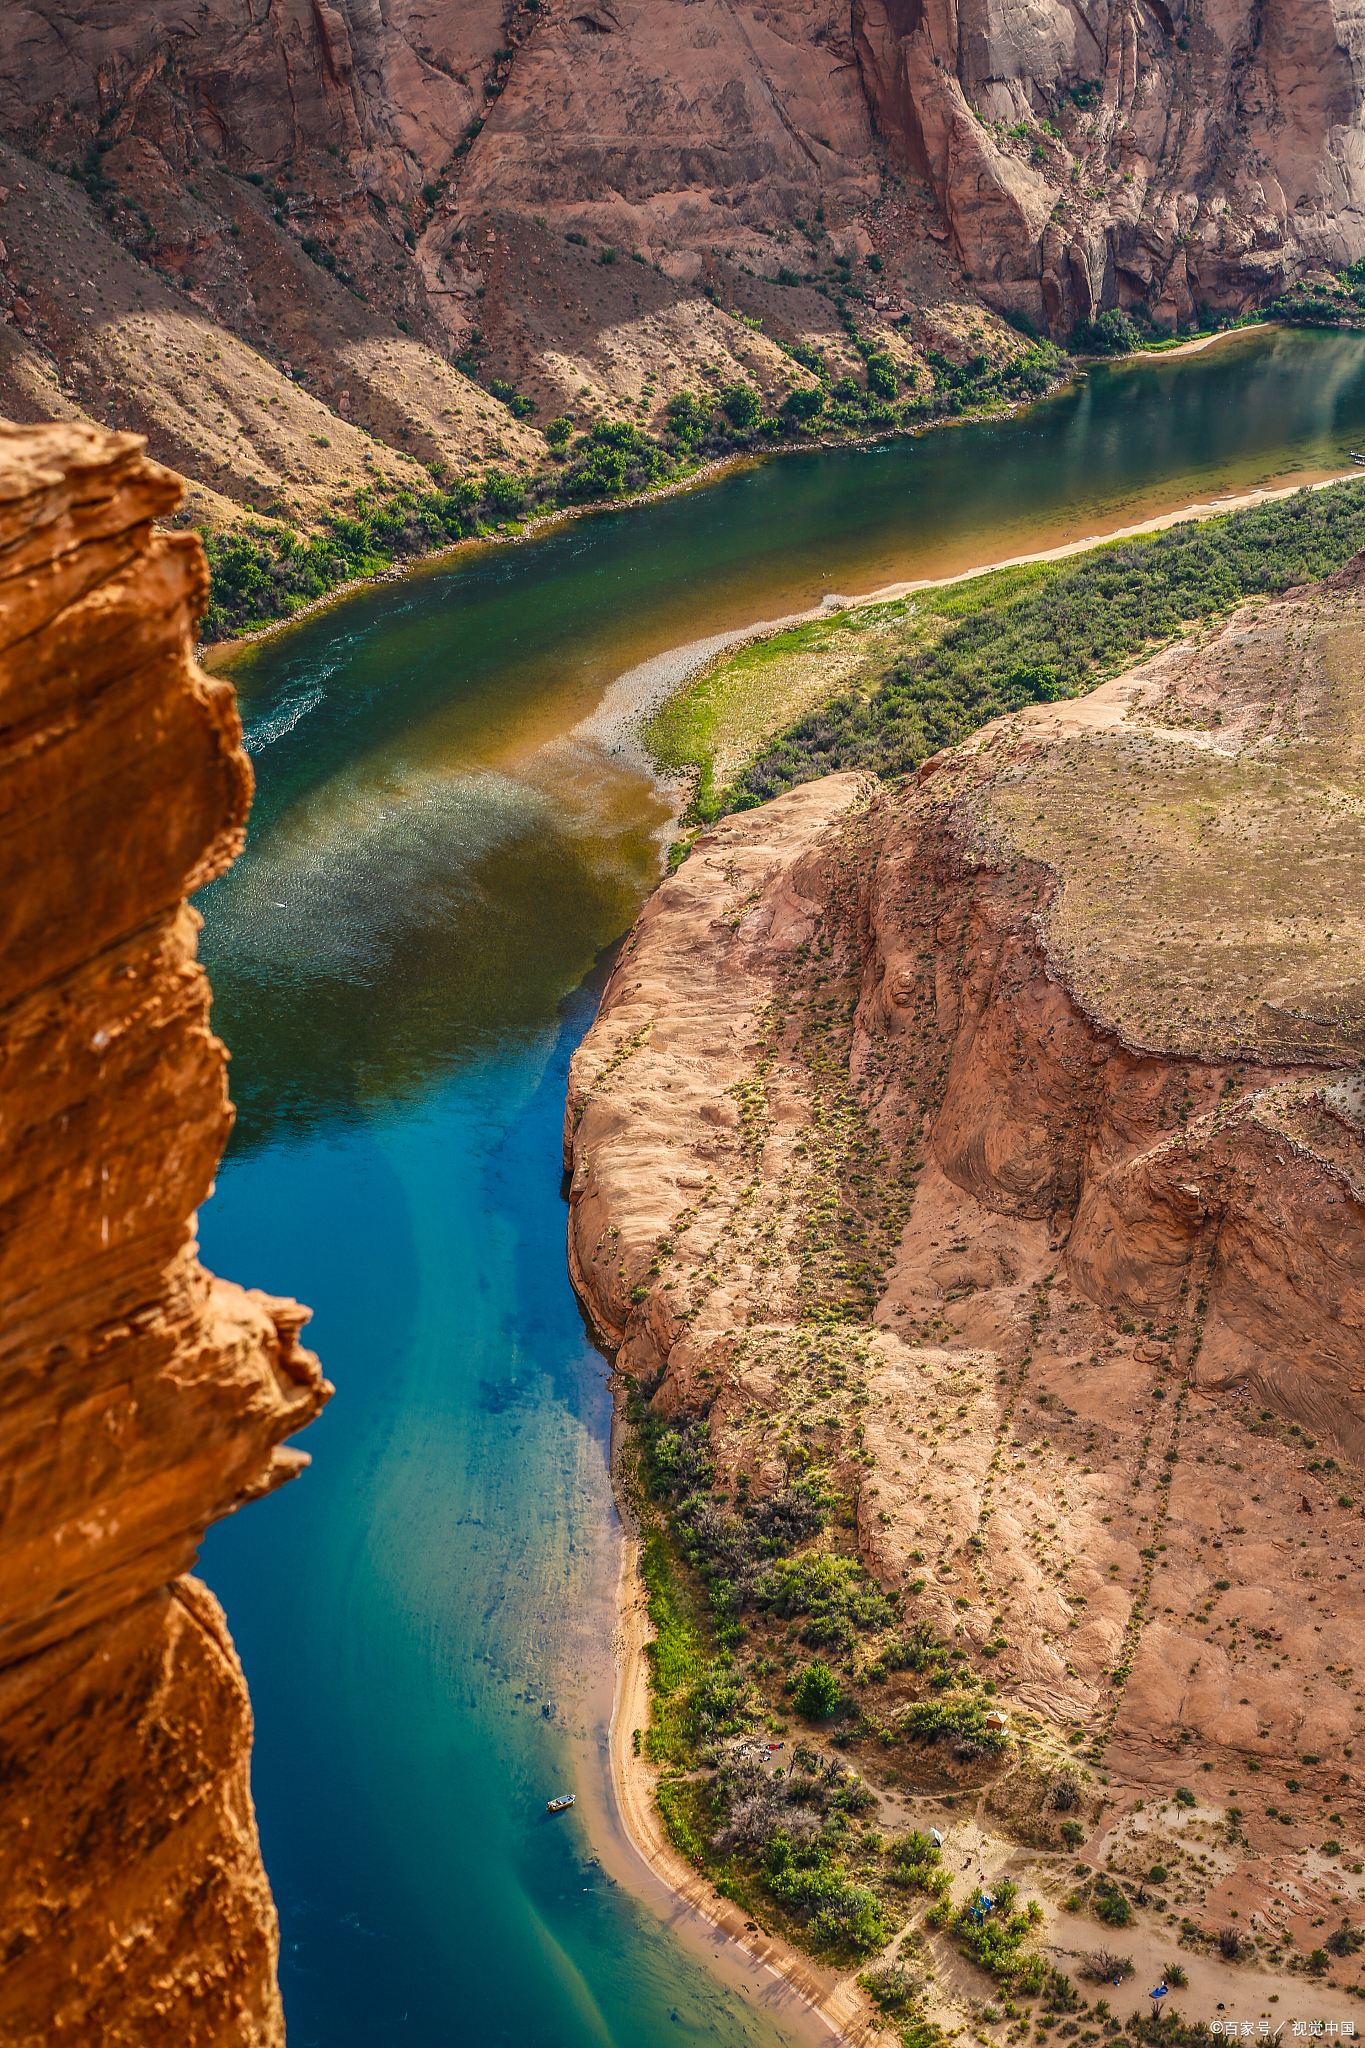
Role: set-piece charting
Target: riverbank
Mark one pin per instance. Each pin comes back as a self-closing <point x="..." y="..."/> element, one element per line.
<point x="619" y="722"/>
<point x="518" y="532"/>
<point x="218" y="653"/>
<point x="843" y="2008"/>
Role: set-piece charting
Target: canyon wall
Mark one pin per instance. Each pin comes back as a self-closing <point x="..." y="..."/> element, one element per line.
<point x="1129" y="152"/>
<point x="318" y="181"/>
<point x="141" y="1398"/>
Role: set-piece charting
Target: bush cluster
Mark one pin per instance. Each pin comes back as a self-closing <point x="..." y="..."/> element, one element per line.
<point x="262" y="572"/>
<point x="1316" y="305"/>
<point x="834" y="1595"/>
<point x="993" y="1934"/>
<point x="1109" y="334"/>
<point x="961" y="1722"/>
<point x="796" y="1826"/>
<point x="918" y="1866"/>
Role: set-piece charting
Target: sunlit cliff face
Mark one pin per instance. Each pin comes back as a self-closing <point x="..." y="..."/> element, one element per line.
<point x="142" y="1398"/>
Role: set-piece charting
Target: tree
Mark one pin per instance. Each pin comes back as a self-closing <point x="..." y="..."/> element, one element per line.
<point x="881" y="375"/>
<point x="688" y="417"/>
<point x="1111" y="334"/>
<point x="559" y="433"/>
<point x="804" y="404"/>
<point x="502" y="494"/>
<point x="817" y="1692"/>
<point x="741" y="404"/>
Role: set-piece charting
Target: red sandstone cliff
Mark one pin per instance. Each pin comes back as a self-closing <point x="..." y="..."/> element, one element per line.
<point x="140" y="1397"/>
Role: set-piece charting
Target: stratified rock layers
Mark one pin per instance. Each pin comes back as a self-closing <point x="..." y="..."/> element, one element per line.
<point x="140" y="1397"/>
<point x="1081" y="154"/>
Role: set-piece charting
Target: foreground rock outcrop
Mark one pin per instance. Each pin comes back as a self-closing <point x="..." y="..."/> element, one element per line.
<point x="140" y="1397"/>
<point x="994" y="1150"/>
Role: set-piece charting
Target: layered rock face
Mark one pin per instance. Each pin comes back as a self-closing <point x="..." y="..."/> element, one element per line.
<point x="1077" y="156"/>
<point x="994" y="1151"/>
<point x="140" y="1397"/>
<point x="1128" y="152"/>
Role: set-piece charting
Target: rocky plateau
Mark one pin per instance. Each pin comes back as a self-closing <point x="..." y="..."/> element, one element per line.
<point x="991" y="1149"/>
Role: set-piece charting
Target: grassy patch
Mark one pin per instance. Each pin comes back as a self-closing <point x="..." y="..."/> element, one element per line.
<point x="685" y="1810"/>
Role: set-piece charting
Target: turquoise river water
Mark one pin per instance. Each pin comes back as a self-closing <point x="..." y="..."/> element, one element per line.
<point x="438" y="867"/>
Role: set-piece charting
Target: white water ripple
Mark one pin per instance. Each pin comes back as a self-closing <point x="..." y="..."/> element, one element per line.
<point x="283" y="718"/>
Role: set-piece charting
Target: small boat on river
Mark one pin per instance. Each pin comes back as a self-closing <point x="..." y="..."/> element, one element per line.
<point x="558" y="1804"/>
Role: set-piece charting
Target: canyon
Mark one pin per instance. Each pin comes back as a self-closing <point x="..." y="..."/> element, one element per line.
<point x="141" y="1398"/>
<point x="988" y="1152"/>
<point x="298" y="250"/>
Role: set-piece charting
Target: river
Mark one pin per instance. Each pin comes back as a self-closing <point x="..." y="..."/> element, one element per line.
<point x="403" y="960"/>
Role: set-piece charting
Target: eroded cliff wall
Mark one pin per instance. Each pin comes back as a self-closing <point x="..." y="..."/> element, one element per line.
<point x="392" y="206"/>
<point x="140" y="1397"/>
<point x="1079" y="154"/>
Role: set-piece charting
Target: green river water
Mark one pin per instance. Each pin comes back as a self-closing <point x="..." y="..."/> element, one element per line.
<point x="438" y="866"/>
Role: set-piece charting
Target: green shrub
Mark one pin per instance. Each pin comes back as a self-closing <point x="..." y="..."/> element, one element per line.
<point x="559" y="433"/>
<point x="1060" y="1994"/>
<point x="804" y="404"/>
<point x="993" y="1937"/>
<point x="921" y="1650"/>
<point x="1111" y="1904"/>
<point x="841" y="1913"/>
<point x="741" y="405"/>
<point x="504" y="495"/>
<point x="519" y="407"/>
<point x="688" y="417"/>
<point x="614" y="459"/>
<point x="1109" y="334"/>
<point x="1073" y="1834"/>
<point x="834" y="1593"/>
<point x="963" y="1722"/>
<point x="918" y="1866"/>
<point x="817" y="1694"/>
